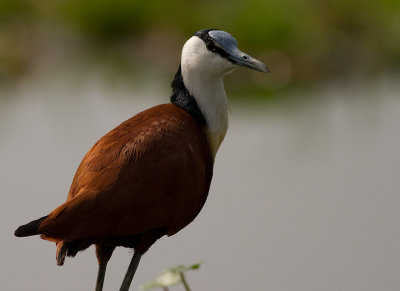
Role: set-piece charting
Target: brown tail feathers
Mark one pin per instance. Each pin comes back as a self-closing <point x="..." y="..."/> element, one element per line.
<point x="31" y="228"/>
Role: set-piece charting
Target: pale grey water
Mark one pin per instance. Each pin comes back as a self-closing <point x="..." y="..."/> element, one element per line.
<point x="305" y="194"/>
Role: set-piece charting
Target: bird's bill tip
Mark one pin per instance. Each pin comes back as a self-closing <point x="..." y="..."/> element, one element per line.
<point x="243" y="59"/>
<point x="259" y="66"/>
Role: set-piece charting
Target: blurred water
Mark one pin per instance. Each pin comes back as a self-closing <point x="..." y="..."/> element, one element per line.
<point x="305" y="193"/>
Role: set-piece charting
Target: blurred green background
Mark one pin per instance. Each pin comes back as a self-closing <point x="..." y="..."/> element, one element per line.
<point x="305" y="43"/>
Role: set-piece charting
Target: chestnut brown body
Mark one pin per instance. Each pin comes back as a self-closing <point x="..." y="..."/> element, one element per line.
<point x="146" y="178"/>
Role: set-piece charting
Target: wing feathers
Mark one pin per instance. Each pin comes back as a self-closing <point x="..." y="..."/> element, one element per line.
<point x="138" y="177"/>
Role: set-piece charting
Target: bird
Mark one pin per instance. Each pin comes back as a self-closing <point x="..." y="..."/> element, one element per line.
<point x="150" y="176"/>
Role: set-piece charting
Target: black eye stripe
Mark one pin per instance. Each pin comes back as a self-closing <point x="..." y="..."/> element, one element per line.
<point x="210" y="43"/>
<point x="211" y="46"/>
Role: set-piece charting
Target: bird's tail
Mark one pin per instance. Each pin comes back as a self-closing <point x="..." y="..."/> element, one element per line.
<point x="31" y="228"/>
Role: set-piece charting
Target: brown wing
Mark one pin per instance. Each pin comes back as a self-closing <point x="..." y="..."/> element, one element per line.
<point x="152" y="171"/>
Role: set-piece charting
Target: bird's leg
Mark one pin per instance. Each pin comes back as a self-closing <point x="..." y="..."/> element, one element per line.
<point x="100" y="276"/>
<point x="103" y="254"/>
<point x="131" y="271"/>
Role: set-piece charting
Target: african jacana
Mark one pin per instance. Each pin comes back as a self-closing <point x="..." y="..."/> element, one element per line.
<point x="150" y="176"/>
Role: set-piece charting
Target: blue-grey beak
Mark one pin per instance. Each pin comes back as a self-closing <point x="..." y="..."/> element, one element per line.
<point x="242" y="59"/>
<point x="228" y="48"/>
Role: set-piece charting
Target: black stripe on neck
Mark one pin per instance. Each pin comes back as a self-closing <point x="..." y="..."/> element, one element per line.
<point x="182" y="98"/>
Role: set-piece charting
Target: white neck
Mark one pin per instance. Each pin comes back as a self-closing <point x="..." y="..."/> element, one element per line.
<point x="202" y="73"/>
<point x="211" y="98"/>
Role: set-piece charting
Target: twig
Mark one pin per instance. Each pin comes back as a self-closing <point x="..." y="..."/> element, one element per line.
<point x="187" y="288"/>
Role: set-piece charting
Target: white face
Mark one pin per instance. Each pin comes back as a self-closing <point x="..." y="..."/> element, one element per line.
<point x="196" y="56"/>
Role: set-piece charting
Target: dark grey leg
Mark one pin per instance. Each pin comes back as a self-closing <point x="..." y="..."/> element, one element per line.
<point x="130" y="272"/>
<point x="100" y="276"/>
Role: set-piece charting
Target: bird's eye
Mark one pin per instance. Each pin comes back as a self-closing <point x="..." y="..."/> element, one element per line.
<point x="215" y="48"/>
<point x="211" y="47"/>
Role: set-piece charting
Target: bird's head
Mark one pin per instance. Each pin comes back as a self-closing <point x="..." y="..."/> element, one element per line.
<point x="216" y="52"/>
